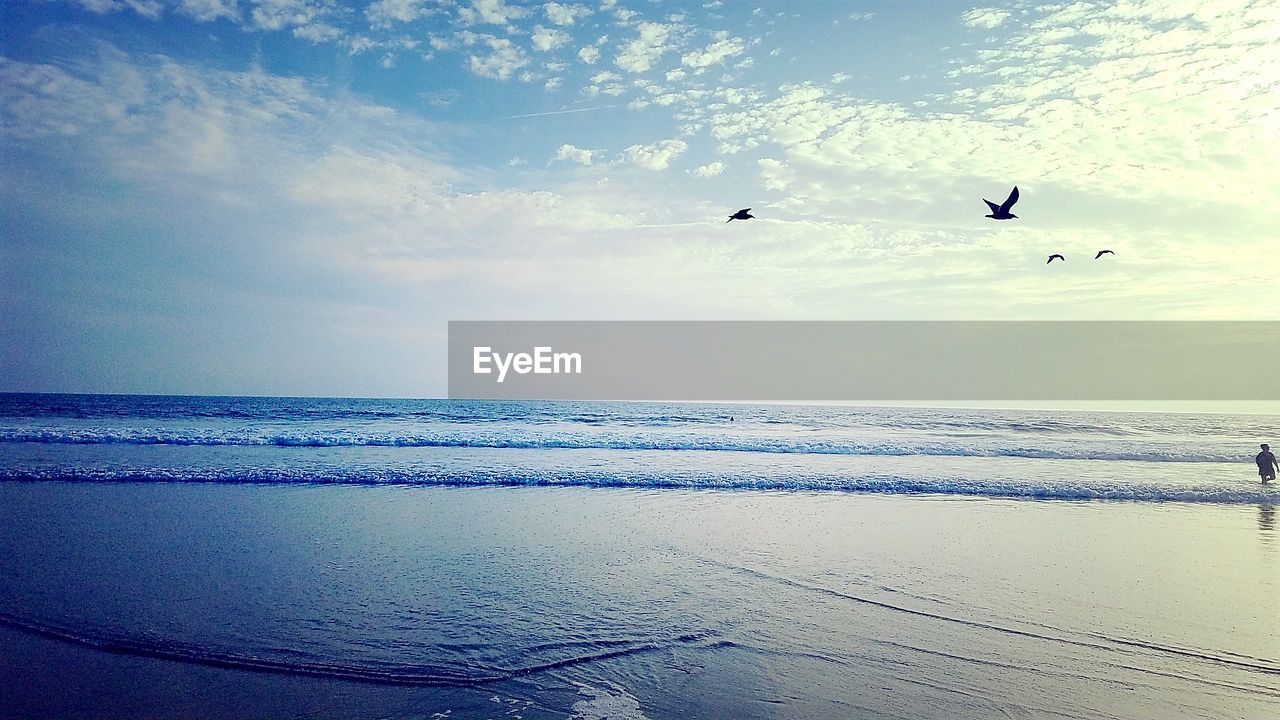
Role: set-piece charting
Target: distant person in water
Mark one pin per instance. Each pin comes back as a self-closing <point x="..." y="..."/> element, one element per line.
<point x="1267" y="464"/>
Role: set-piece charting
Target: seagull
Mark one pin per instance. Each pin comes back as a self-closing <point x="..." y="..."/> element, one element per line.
<point x="743" y="214"/>
<point x="1101" y="253"/>
<point x="1056" y="255"/>
<point x="1001" y="212"/>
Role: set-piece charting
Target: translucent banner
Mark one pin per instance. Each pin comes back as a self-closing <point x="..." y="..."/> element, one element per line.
<point x="863" y="360"/>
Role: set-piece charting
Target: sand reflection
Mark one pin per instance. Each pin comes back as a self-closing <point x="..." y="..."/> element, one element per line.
<point x="1267" y="522"/>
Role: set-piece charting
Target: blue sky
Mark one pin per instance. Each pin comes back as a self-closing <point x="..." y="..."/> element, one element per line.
<point x="295" y="196"/>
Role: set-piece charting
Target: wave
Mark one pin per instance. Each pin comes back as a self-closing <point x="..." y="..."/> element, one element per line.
<point x="1039" y="631"/>
<point x="566" y="477"/>
<point x="382" y="674"/>
<point x="520" y="439"/>
<point x="148" y="407"/>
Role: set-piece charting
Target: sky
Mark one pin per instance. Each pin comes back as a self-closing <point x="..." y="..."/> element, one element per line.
<point x="294" y="197"/>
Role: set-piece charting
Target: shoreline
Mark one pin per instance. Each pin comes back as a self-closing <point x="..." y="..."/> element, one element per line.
<point x="743" y="603"/>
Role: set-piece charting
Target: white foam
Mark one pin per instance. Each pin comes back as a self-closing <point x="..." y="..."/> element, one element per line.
<point x="612" y="704"/>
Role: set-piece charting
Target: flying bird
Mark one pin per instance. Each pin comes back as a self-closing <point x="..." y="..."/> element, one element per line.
<point x="1101" y="253"/>
<point x="743" y="214"/>
<point x="1001" y="211"/>
<point x="1056" y="255"/>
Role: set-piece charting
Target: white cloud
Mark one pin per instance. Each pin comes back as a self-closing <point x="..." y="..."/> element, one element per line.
<point x="1147" y="98"/>
<point x="606" y="83"/>
<point x="579" y="155"/>
<point x="385" y="13"/>
<point x="1168" y="111"/>
<point x="589" y="55"/>
<point x="226" y="145"/>
<point x="1119" y="121"/>
<point x="775" y="174"/>
<point x="491" y="12"/>
<point x="839" y="78"/>
<point x="319" y="33"/>
<point x="714" y="54"/>
<point x="652" y="41"/>
<point x="545" y="39"/>
<point x="553" y="83"/>
<point x="308" y="18"/>
<point x="657" y="156"/>
<point x="709" y="170"/>
<point x="209" y="10"/>
<point x="151" y="9"/>
<point x="562" y="14"/>
<point x="40" y="100"/>
<point x="504" y="58"/>
<point x="665" y="99"/>
<point x="158" y="120"/>
<point x="985" y="18"/>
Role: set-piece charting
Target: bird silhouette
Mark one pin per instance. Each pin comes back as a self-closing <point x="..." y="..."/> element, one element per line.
<point x="1101" y="253"/>
<point x="1055" y="255"/>
<point x="1001" y="211"/>
<point x="743" y="214"/>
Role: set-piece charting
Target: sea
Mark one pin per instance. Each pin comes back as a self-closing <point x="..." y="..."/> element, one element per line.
<point x="992" y="453"/>
<point x="337" y="557"/>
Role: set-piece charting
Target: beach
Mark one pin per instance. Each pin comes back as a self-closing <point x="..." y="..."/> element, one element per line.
<point x="203" y="597"/>
<point x="620" y="360"/>
<point x="377" y="601"/>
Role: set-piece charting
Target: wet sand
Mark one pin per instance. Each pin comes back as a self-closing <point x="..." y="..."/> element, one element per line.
<point x="213" y="601"/>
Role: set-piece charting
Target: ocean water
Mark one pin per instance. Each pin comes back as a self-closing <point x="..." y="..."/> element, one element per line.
<point x="1065" y="455"/>
<point x="269" y="557"/>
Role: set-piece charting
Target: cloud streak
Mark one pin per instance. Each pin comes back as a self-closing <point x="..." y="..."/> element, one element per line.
<point x="570" y="111"/>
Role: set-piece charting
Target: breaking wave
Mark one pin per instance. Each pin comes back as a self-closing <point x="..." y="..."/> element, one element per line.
<point x="672" y="479"/>
<point x="520" y="438"/>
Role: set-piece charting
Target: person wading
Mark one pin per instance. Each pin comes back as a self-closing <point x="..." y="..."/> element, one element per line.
<point x="1266" y="464"/>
